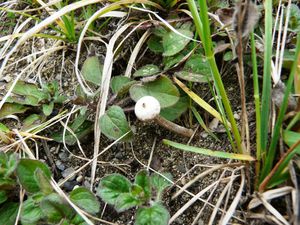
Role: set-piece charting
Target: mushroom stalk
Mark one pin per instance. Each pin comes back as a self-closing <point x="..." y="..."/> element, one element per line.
<point x="148" y="108"/>
<point x="174" y="127"/>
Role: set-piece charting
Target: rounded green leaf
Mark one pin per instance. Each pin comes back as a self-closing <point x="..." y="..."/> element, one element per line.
<point x="173" y="43"/>
<point x="112" y="186"/>
<point x="92" y="70"/>
<point x="26" y="173"/>
<point x="85" y="199"/>
<point x="175" y="111"/>
<point x="162" y="89"/>
<point x="147" y="70"/>
<point x="154" y="215"/>
<point x="121" y="84"/>
<point x="114" y="124"/>
<point x="154" y="44"/>
<point x="142" y="179"/>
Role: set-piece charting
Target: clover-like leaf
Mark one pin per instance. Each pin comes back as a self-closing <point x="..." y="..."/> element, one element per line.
<point x="114" y="124"/>
<point x="162" y="89"/>
<point x="26" y="174"/>
<point x="85" y="199"/>
<point x="173" y="43"/>
<point x="112" y="186"/>
<point x="92" y="70"/>
<point x="154" y="215"/>
<point x="147" y="70"/>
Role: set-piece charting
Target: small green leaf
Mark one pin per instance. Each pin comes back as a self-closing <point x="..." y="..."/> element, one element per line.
<point x="114" y="124"/>
<point x="160" y="183"/>
<point x="173" y="43"/>
<point x="55" y="208"/>
<point x="154" y="44"/>
<point x="154" y="215"/>
<point x="228" y="56"/>
<point x="142" y="179"/>
<point x="162" y="89"/>
<point x="92" y="70"/>
<point x="120" y="84"/>
<point x="34" y="94"/>
<point x="294" y="20"/>
<point x="8" y="213"/>
<point x="48" y="108"/>
<point x="31" y="212"/>
<point x="126" y="201"/>
<point x="147" y="70"/>
<point x="85" y="199"/>
<point x="11" y="109"/>
<point x="31" y="121"/>
<point x="112" y="186"/>
<point x="26" y="170"/>
<point x="3" y="196"/>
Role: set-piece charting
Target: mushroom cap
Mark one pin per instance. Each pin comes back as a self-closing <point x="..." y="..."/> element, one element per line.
<point x="147" y="108"/>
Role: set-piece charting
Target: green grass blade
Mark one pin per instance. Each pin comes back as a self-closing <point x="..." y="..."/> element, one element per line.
<point x="203" y="28"/>
<point x="208" y="152"/>
<point x="271" y="152"/>
<point x="257" y="105"/>
<point x="266" y="90"/>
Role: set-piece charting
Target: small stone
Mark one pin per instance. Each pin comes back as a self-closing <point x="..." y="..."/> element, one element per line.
<point x="236" y="116"/>
<point x="68" y="172"/>
<point x="69" y="185"/>
<point x="79" y="179"/>
<point x="63" y="156"/>
<point x="60" y="165"/>
<point x="204" y="134"/>
<point x="76" y="186"/>
<point x="86" y="184"/>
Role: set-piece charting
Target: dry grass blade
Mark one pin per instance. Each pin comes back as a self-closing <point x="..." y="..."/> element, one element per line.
<point x="107" y="71"/>
<point x="135" y="52"/>
<point x="235" y="202"/>
<point x="269" y="195"/>
<point x="273" y="211"/>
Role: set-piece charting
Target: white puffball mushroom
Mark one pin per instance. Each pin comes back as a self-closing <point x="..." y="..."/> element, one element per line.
<point x="147" y="108"/>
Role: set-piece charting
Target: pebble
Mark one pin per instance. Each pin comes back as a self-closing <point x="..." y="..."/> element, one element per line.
<point x="204" y="134"/>
<point x="236" y="116"/>
<point x="67" y="172"/>
<point x="60" y="165"/>
<point x="79" y="179"/>
<point x="63" y="156"/>
<point x="69" y="185"/>
<point x="86" y="184"/>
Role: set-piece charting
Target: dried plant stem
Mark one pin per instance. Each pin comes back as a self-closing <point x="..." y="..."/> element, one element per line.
<point x="174" y="127"/>
<point x="241" y="16"/>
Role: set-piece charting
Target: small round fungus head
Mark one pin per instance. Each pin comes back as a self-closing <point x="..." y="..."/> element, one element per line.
<point x="147" y="108"/>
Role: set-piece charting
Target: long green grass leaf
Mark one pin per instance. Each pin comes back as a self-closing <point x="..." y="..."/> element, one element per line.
<point x="208" y="152"/>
